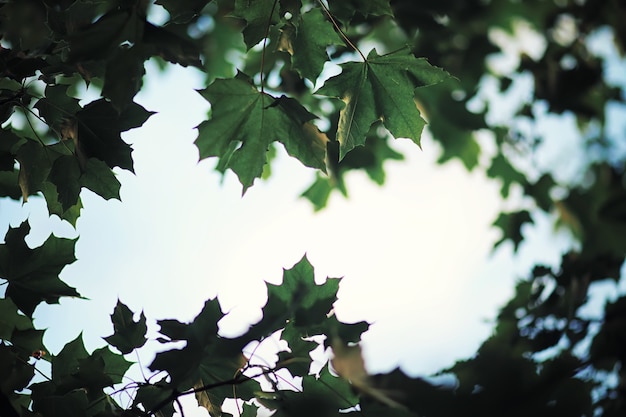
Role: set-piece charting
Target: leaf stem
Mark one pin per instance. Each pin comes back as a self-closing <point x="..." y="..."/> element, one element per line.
<point x="267" y="32"/>
<point x="341" y="32"/>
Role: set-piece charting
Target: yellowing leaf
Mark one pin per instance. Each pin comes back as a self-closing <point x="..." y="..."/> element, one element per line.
<point x="349" y="364"/>
<point x="204" y="401"/>
<point x="381" y="88"/>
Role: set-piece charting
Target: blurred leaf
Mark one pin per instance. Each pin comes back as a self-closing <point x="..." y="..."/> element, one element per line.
<point x="511" y="226"/>
<point x="346" y="9"/>
<point x="182" y="12"/>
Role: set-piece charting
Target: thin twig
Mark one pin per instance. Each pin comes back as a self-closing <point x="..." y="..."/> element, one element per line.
<point x="267" y="31"/>
<point x="341" y="32"/>
<point x="239" y="379"/>
<point x="180" y="407"/>
<point x="31" y="125"/>
<point x="140" y="366"/>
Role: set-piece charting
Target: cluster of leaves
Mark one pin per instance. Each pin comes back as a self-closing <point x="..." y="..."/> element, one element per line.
<point x="52" y="144"/>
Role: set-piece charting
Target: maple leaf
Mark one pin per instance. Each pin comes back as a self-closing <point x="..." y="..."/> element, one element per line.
<point x="346" y="9"/>
<point x="244" y="122"/>
<point x="100" y="127"/>
<point x="258" y="14"/>
<point x="33" y="274"/>
<point x="381" y="88"/>
<point x="128" y="333"/>
<point x="511" y="226"/>
<point x="308" y="302"/>
<point x="306" y="42"/>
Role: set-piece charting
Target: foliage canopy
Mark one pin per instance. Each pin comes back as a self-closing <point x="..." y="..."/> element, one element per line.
<point x="428" y="64"/>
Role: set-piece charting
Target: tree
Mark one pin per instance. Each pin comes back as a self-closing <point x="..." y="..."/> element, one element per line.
<point x="544" y="358"/>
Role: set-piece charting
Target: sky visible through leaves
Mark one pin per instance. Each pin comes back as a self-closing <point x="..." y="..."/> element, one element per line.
<point x="223" y="244"/>
<point x="421" y="264"/>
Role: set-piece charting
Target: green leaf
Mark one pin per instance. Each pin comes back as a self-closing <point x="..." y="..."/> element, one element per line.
<point x="381" y="88"/>
<point x="123" y="76"/>
<point x="319" y="192"/>
<point x="511" y="226"/>
<point x="308" y="303"/>
<point x="74" y="403"/>
<point x="27" y="340"/>
<point x="128" y="334"/>
<point x="243" y="124"/>
<point x="33" y="274"/>
<point x="183" y="12"/>
<point x="15" y="372"/>
<point x="451" y="123"/>
<point x="201" y="336"/>
<point x="346" y="9"/>
<point x="105" y="35"/>
<point x="218" y="45"/>
<point x="150" y="396"/>
<point x="346" y="332"/>
<point x="57" y="106"/>
<point x="99" y="129"/>
<point x="65" y="174"/>
<point x="169" y="45"/>
<point x="202" y="330"/>
<point x="502" y="169"/>
<point x="74" y="368"/>
<point x="315" y="399"/>
<point x="67" y="362"/>
<point x="11" y="319"/>
<point x="298" y="359"/>
<point x="337" y="387"/>
<point x="99" y="178"/>
<point x="115" y="366"/>
<point x="51" y="195"/>
<point x="35" y="165"/>
<point x="216" y="370"/>
<point x="540" y="191"/>
<point x="259" y="15"/>
<point x="306" y="42"/>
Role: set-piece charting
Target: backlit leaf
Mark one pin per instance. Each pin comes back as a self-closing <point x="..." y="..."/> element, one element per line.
<point x="308" y="302"/>
<point x="243" y="124"/>
<point x="381" y="88"/>
<point x="307" y="41"/>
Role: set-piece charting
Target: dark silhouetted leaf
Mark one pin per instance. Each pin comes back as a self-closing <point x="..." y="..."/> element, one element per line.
<point x="128" y="333"/>
<point x="33" y="274"/>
